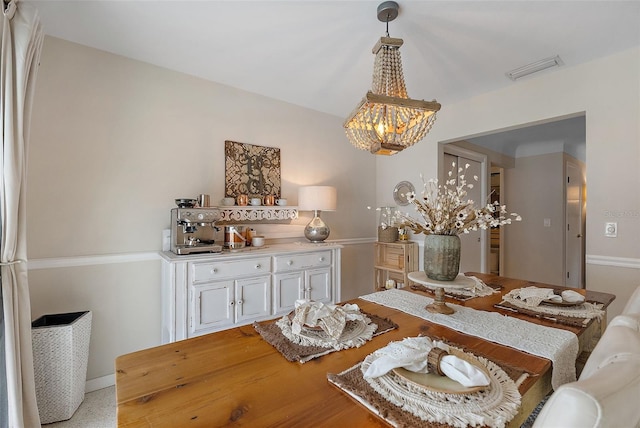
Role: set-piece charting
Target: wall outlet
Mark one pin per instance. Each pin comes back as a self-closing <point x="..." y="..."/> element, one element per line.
<point x="611" y="230"/>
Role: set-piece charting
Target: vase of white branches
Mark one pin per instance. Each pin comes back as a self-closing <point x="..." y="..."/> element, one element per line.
<point x="446" y="213"/>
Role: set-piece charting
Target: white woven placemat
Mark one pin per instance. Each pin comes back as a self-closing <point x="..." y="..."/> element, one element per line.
<point x="355" y="334"/>
<point x="493" y="406"/>
<point x="585" y="310"/>
<point x="559" y="346"/>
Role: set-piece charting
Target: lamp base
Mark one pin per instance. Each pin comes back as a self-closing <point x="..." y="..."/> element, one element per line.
<point x="316" y="230"/>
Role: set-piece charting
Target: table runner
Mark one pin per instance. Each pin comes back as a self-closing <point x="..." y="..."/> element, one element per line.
<point x="559" y="346"/>
<point x="272" y="334"/>
<point x="352" y="382"/>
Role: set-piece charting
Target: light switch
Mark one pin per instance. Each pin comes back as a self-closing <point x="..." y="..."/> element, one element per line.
<point x="547" y="222"/>
<point x="611" y="230"/>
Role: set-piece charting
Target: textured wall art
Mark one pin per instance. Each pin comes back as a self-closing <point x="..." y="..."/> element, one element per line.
<point x="251" y="170"/>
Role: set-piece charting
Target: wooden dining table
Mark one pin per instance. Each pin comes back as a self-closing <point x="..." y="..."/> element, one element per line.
<point x="234" y="377"/>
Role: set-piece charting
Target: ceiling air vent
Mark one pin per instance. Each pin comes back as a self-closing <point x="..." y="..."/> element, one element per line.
<point x="534" y="67"/>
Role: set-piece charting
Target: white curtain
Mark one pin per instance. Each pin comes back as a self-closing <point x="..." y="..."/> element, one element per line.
<point x="22" y="38"/>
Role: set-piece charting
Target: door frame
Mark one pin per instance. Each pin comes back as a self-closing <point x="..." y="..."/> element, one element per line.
<point x="454" y="150"/>
<point x="575" y="164"/>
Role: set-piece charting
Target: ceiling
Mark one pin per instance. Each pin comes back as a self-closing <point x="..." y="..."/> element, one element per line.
<point x="317" y="54"/>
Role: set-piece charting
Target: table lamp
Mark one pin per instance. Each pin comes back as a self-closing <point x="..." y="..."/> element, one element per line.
<point x="317" y="199"/>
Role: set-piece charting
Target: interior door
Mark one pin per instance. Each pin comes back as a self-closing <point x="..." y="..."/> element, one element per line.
<point x="471" y="246"/>
<point x="575" y="227"/>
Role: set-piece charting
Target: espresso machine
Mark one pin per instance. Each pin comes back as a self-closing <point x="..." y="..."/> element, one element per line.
<point x="193" y="230"/>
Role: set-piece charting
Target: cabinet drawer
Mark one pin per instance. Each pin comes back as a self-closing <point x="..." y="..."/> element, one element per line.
<point x="202" y="272"/>
<point x="301" y="261"/>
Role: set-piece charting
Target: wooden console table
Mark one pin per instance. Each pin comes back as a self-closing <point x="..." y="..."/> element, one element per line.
<point x="234" y="376"/>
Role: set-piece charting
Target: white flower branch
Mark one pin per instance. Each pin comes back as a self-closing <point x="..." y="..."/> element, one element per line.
<point x="445" y="209"/>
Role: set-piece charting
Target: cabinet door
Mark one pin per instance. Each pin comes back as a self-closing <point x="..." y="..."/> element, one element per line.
<point x="288" y="287"/>
<point x="253" y="298"/>
<point x="318" y="285"/>
<point x="212" y="306"/>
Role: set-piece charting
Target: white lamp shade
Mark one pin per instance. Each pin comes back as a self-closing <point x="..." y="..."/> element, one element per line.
<point x="321" y="198"/>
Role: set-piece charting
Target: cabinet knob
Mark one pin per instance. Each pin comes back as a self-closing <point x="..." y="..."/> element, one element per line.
<point x="239" y="302"/>
<point x="214" y="270"/>
<point x="258" y="266"/>
<point x="231" y="303"/>
<point x="321" y="259"/>
<point x="289" y="262"/>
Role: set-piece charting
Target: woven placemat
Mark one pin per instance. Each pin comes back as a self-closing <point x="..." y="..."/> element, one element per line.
<point x="560" y="319"/>
<point x="353" y="383"/>
<point x="272" y="334"/>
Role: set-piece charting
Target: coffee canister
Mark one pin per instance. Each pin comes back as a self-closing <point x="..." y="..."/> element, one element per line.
<point x="204" y="200"/>
<point x="234" y="237"/>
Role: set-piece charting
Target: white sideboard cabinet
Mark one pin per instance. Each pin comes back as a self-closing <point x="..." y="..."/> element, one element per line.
<point x="204" y="293"/>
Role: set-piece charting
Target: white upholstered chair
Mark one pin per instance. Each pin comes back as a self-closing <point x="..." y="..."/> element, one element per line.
<point x="607" y="394"/>
<point x="633" y="305"/>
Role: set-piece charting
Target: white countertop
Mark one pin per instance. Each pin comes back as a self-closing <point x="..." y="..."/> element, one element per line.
<point x="267" y="250"/>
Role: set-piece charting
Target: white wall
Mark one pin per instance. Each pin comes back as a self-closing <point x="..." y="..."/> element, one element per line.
<point x="535" y="190"/>
<point x="608" y="91"/>
<point x="115" y="141"/>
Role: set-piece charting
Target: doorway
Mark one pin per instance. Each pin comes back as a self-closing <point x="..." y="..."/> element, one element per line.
<point x="496" y="255"/>
<point x="528" y="165"/>
<point x="473" y="246"/>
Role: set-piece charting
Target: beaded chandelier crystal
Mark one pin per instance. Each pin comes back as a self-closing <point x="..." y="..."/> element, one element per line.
<point x="387" y="121"/>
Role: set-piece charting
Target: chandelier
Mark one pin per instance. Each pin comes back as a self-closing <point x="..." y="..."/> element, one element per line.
<point x="387" y="121"/>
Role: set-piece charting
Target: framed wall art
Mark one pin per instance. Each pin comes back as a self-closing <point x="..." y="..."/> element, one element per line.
<point x="251" y="170"/>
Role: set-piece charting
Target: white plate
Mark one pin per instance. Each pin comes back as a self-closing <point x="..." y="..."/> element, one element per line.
<point x="400" y="192"/>
<point x="563" y="303"/>
<point x="434" y="382"/>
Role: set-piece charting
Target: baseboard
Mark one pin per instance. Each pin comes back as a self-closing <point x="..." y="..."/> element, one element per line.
<point x="613" y="261"/>
<point x="99" y="383"/>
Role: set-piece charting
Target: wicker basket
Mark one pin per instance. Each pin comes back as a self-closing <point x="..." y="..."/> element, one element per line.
<point x="389" y="234"/>
<point x="60" y="355"/>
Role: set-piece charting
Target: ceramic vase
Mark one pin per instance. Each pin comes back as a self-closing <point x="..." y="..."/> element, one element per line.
<point x="442" y="257"/>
